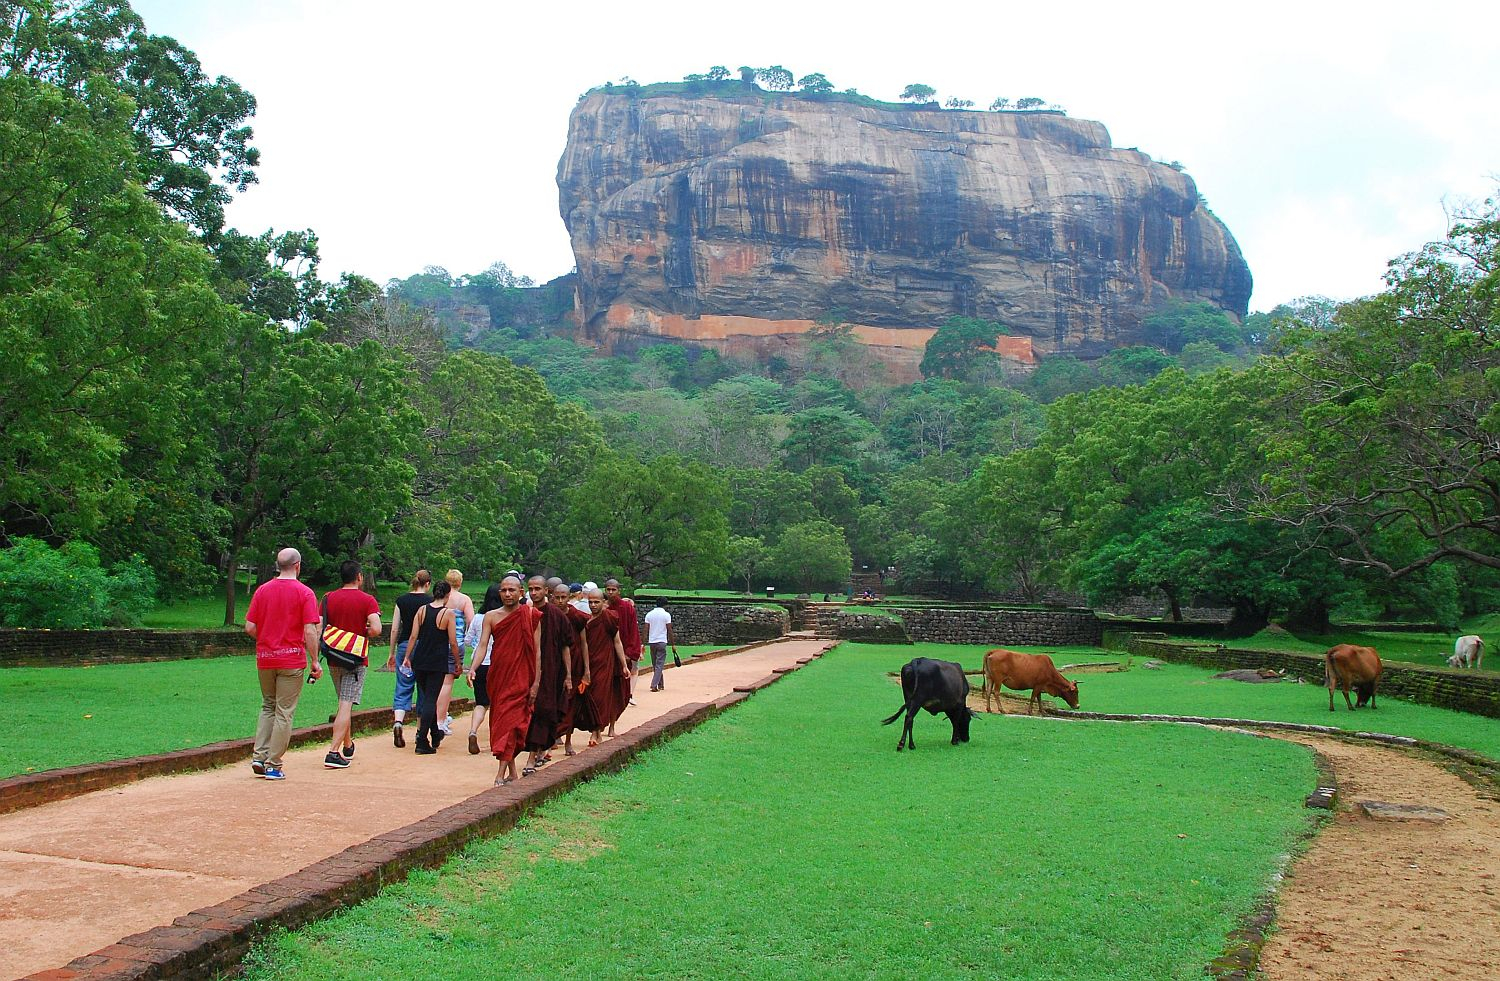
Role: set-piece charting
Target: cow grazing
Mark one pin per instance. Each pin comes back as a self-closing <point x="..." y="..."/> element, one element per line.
<point x="937" y="686"/>
<point x="1020" y="672"/>
<point x="1347" y="665"/>
<point x="1468" y="650"/>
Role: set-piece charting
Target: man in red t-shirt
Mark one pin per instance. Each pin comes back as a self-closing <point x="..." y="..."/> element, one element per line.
<point x="283" y="619"/>
<point x="351" y="609"/>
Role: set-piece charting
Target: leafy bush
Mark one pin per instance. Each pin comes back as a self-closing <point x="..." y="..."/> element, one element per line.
<point x="42" y="586"/>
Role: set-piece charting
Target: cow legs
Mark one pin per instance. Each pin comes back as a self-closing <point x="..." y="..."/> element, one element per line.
<point x="906" y="740"/>
<point x="1345" y="690"/>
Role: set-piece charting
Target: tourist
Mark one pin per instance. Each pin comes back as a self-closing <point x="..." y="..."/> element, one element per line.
<point x="609" y="689"/>
<point x="479" y="666"/>
<point x="578" y="596"/>
<point x="576" y="715"/>
<point x="283" y="619"/>
<point x="555" y="676"/>
<point x="463" y="614"/>
<point x="630" y="631"/>
<point x="658" y="636"/>
<point x="433" y="647"/>
<point x="407" y="606"/>
<point x="355" y="612"/>
<point x="515" y="669"/>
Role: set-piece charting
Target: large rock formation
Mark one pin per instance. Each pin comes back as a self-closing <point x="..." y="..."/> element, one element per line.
<point x="739" y="219"/>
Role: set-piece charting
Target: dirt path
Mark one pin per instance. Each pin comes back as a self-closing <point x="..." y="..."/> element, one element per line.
<point x="1392" y="900"/>
<point x="1385" y="900"/>
<point x="79" y="874"/>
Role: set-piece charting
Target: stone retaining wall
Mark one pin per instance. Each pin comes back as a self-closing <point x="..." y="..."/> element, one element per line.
<point x="1477" y="692"/>
<point x="720" y="622"/>
<point x="869" y="628"/>
<point x="20" y="647"/>
<point x="1000" y="627"/>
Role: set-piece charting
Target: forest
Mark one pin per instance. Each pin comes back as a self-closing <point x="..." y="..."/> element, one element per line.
<point x="179" y="398"/>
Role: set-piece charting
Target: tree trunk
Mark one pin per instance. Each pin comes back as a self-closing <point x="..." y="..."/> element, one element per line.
<point x="1173" y="604"/>
<point x="1311" y="617"/>
<point x="232" y="574"/>
<point x="1248" y="619"/>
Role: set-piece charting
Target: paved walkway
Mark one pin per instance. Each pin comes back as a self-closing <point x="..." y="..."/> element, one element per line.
<point x="79" y="874"/>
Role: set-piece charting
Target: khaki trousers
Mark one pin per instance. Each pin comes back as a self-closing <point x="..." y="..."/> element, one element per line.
<point x="279" y="691"/>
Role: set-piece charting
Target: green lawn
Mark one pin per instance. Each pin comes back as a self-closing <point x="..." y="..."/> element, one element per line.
<point x="1431" y="649"/>
<point x="1180" y="689"/>
<point x="786" y="839"/>
<point x="67" y="716"/>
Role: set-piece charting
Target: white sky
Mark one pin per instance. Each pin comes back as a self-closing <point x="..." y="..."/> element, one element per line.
<point x="1327" y="135"/>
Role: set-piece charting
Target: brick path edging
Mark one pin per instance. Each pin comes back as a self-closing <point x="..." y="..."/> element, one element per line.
<point x="210" y="942"/>
<point x="32" y="789"/>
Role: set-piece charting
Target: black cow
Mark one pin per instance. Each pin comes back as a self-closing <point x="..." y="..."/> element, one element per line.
<point x="937" y="686"/>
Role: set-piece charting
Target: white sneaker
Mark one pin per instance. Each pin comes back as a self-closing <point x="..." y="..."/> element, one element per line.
<point x="446" y="727"/>
<point x="632" y="701"/>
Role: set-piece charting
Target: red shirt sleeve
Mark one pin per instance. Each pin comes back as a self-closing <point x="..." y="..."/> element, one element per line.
<point x="310" y="613"/>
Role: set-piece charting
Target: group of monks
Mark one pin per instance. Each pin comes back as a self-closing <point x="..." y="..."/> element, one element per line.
<point x="554" y="669"/>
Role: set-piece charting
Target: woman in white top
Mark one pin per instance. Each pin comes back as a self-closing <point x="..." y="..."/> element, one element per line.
<point x="463" y="615"/>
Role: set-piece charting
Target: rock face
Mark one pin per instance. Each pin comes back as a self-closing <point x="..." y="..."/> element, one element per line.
<point x="737" y="220"/>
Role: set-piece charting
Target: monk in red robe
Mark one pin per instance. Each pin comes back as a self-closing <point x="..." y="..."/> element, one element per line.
<point x="609" y="692"/>
<point x="555" y="678"/>
<point x="630" y="631"/>
<point x="576" y="715"/>
<point x="515" y="670"/>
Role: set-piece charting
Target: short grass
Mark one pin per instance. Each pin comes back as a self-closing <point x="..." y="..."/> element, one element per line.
<point x="73" y="715"/>
<point x="1180" y="689"/>
<point x="1414" y="647"/>
<point x="786" y="839"/>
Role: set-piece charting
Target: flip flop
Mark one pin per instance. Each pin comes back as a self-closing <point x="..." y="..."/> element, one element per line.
<point x="528" y="771"/>
<point x="571" y="752"/>
<point x="546" y="758"/>
<point x="502" y="783"/>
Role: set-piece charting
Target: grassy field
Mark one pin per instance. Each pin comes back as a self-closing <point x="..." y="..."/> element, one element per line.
<point x="786" y="839"/>
<point x="79" y="715"/>
<point x="1180" y="689"/>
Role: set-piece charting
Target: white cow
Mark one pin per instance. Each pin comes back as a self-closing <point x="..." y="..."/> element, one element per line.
<point x="1468" y="652"/>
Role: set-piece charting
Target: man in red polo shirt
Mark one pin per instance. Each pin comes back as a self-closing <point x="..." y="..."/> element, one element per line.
<point x="283" y="619"/>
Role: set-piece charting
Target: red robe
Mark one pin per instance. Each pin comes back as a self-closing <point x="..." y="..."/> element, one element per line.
<point x="512" y="672"/>
<point x="576" y="715"/>
<point x="630" y="627"/>
<point x="551" y="698"/>
<point x="610" y="689"/>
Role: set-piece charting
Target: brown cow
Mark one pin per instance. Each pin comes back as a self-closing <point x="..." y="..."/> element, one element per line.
<point x="1022" y="671"/>
<point x="1348" y="665"/>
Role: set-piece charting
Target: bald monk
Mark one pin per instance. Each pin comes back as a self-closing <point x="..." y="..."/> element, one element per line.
<point x="576" y="714"/>
<point x="555" y="679"/>
<point x="515" y="670"/>
<point x="630" y="632"/>
<point x="608" y="693"/>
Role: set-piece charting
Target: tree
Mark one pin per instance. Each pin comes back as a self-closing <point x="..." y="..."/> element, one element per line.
<point x="917" y="92"/>
<point x="960" y="103"/>
<point x="958" y="345"/>
<point x="665" y="521"/>
<point x="746" y="557"/>
<point x="1000" y="105"/>
<point x="189" y="130"/>
<point x="1387" y="423"/>
<point x="816" y="83"/>
<point x="825" y="436"/>
<point x="1030" y="102"/>
<point x="1058" y="375"/>
<point x="297" y="446"/>
<point x="776" y="78"/>
<point x="766" y="500"/>
<point x="813" y="553"/>
<point x="747" y="74"/>
<point x="107" y="317"/>
<point x="1132" y="365"/>
<point x="718" y="73"/>
<point x="1179" y="323"/>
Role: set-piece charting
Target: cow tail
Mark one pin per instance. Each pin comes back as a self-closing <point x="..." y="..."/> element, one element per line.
<point x="894" y="717"/>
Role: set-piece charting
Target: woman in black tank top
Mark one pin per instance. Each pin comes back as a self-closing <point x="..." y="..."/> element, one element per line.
<point x="434" y="640"/>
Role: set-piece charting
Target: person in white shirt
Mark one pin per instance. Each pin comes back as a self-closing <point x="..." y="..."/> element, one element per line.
<point x="658" y="636"/>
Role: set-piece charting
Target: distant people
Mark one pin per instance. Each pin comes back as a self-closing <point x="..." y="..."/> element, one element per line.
<point x="430" y="654"/>
<point x="630" y="631"/>
<point x="658" y="636"/>
<point x="407" y="606"/>
<point x="580" y="596"/>
<point x="351" y="609"/>
<point x="283" y="619"/>
<point x="463" y="614"/>
<point x="515" y="669"/>
<point x="479" y="666"/>
<point x="554" y="679"/>
<point x="575" y="715"/>
<point x="609" y="689"/>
